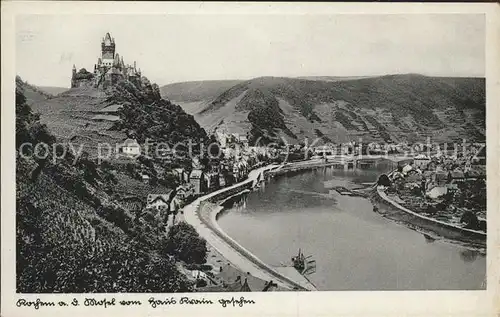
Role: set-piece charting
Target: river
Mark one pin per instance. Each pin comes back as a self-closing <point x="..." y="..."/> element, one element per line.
<point x="354" y="247"/>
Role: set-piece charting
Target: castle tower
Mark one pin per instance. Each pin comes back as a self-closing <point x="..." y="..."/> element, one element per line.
<point x="108" y="50"/>
<point x="73" y="75"/>
<point x="116" y="62"/>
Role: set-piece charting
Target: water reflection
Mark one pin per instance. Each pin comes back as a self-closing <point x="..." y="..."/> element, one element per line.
<point x="428" y="238"/>
<point x="237" y="202"/>
<point x="469" y="255"/>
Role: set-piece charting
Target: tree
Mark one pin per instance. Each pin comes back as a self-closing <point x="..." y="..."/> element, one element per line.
<point x="170" y="180"/>
<point x="384" y="180"/>
<point x="185" y="243"/>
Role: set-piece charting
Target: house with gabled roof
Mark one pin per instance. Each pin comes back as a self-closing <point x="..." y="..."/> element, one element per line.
<point x="130" y="147"/>
<point x="160" y="201"/>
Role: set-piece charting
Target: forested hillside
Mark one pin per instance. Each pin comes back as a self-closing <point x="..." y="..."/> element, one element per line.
<point x="72" y="235"/>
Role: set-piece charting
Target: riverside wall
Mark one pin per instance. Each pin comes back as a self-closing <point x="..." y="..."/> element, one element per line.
<point x="446" y="230"/>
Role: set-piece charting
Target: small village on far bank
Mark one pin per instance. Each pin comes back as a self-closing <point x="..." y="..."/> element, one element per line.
<point x="448" y="188"/>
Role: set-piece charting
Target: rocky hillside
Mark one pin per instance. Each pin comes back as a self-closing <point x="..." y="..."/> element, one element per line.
<point x="72" y="234"/>
<point x="394" y="107"/>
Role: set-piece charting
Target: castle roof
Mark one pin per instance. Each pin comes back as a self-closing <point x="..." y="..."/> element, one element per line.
<point x="163" y="197"/>
<point x="107" y="40"/>
<point x="130" y="142"/>
<point x="116" y="62"/>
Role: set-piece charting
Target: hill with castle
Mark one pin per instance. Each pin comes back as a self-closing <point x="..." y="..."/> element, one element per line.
<point x="113" y="103"/>
<point x="109" y="70"/>
<point x="86" y="216"/>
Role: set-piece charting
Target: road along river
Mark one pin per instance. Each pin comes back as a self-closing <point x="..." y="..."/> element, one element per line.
<point x="230" y="249"/>
<point x="354" y="247"/>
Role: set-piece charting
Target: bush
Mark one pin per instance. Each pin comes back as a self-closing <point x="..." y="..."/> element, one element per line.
<point x="184" y="243"/>
<point x="113" y="269"/>
<point x="201" y="283"/>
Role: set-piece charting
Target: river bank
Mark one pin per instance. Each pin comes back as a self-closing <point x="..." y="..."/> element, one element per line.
<point x="202" y="215"/>
<point x="473" y="238"/>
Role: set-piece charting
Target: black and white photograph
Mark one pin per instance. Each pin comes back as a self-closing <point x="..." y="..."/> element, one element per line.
<point x="211" y="153"/>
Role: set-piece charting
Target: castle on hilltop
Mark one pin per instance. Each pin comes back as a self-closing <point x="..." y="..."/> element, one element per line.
<point x="109" y="70"/>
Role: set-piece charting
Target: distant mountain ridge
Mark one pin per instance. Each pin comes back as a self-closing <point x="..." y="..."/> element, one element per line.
<point x="196" y="90"/>
<point x="52" y="90"/>
<point x="406" y="107"/>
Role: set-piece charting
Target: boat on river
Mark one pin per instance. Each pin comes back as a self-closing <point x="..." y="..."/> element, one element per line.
<point x="304" y="264"/>
<point x="349" y="192"/>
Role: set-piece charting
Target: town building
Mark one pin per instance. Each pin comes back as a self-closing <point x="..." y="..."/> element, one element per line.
<point x="212" y="181"/>
<point x="457" y="176"/>
<point x="441" y="178"/>
<point x="130" y="147"/>
<point x="185" y="192"/>
<point x="407" y="169"/>
<point x="159" y="201"/>
<point x="145" y="178"/>
<point x="181" y="175"/>
<point x="197" y="179"/>
<point x="243" y="141"/>
<point x="436" y="191"/>
<point x="222" y="137"/>
<point x="421" y="161"/>
<point x="222" y="180"/>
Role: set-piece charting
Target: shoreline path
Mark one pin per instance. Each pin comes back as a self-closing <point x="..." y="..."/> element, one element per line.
<point x="234" y="256"/>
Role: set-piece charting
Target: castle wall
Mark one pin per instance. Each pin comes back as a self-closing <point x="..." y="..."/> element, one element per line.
<point x="87" y="83"/>
<point x="107" y="62"/>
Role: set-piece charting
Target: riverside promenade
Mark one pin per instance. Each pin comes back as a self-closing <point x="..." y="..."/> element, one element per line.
<point x="230" y="249"/>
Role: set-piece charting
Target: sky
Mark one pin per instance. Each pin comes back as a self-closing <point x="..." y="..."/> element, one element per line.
<point x="181" y="47"/>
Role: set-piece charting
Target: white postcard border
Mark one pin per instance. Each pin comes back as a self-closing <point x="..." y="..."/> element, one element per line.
<point x="368" y="303"/>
